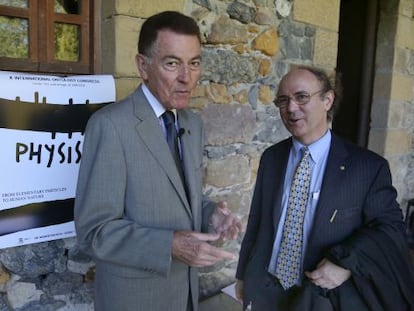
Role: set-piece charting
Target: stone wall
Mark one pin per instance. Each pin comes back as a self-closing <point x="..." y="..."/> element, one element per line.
<point x="247" y="46"/>
<point x="392" y="111"/>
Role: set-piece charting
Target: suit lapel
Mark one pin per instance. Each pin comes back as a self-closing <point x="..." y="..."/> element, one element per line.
<point x="149" y="130"/>
<point x="278" y="181"/>
<point x="190" y="143"/>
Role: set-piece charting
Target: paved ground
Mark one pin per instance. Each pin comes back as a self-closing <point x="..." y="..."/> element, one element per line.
<point x="220" y="302"/>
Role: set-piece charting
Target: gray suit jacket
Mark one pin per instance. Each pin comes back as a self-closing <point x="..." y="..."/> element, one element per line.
<point x="356" y="188"/>
<point x="130" y="199"/>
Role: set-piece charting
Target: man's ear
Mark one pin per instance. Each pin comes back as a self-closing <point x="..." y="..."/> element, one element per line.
<point x="141" y="63"/>
<point x="328" y="99"/>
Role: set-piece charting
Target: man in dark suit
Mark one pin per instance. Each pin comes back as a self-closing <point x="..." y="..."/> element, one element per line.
<point x="139" y="212"/>
<point x="350" y="216"/>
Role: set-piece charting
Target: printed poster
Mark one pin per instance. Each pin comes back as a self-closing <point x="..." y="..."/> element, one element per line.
<point x="42" y="122"/>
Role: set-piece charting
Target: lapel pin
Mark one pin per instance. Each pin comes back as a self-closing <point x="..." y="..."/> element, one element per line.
<point x="342" y="167"/>
<point x="333" y="215"/>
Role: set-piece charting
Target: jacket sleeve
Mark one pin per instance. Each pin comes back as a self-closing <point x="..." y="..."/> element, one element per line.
<point x="377" y="253"/>
<point x="381" y="268"/>
<point x="252" y="228"/>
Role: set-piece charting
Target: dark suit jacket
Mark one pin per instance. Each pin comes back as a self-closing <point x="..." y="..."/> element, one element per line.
<point x="357" y="184"/>
<point x="130" y="199"/>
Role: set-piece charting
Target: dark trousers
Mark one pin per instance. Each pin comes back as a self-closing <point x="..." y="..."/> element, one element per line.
<point x="272" y="297"/>
<point x="309" y="297"/>
<point x="190" y="302"/>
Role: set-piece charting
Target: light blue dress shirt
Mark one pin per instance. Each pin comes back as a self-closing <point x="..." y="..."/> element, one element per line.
<point x="318" y="155"/>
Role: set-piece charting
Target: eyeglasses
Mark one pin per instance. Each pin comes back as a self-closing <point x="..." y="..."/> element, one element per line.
<point x="300" y="98"/>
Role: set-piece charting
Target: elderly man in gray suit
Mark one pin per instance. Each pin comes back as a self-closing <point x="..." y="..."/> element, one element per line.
<point x="139" y="209"/>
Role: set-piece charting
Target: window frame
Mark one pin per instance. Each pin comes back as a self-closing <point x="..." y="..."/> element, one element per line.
<point x="41" y="20"/>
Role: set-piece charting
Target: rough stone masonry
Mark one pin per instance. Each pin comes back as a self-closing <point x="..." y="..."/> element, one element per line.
<point x="247" y="46"/>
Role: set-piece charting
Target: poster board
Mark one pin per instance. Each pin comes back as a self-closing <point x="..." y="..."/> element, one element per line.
<point x="42" y="122"/>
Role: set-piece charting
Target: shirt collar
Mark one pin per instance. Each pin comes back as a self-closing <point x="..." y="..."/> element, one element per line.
<point x="317" y="149"/>
<point x="155" y="104"/>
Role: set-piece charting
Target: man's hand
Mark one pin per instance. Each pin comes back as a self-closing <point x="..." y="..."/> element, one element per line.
<point x="239" y="290"/>
<point x="225" y="223"/>
<point x="328" y="275"/>
<point x="193" y="249"/>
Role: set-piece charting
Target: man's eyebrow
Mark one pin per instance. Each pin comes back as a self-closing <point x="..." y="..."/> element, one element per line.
<point x="297" y="92"/>
<point x="178" y="58"/>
